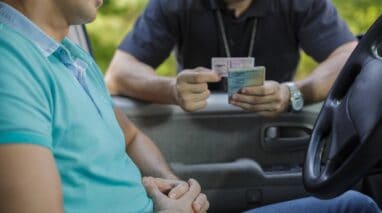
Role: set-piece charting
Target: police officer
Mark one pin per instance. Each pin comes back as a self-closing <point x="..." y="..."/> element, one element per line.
<point x="271" y="31"/>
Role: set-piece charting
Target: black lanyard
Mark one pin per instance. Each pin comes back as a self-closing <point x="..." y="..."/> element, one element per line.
<point x="224" y="35"/>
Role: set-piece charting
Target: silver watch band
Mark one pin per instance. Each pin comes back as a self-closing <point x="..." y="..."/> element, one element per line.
<point x="296" y="99"/>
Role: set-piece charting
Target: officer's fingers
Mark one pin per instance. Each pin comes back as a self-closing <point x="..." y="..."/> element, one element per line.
<point x="201" y="69"/>
<point x="269" y="88"/>
<point x="198" y="97"/>
<point x="252" y="99"/>
<point x="194" y="106"/>
<point x="193" y="88"/>
<point x="197" y="77"/>
<point x="190" y="98"/>
<point x="191" y="102"/>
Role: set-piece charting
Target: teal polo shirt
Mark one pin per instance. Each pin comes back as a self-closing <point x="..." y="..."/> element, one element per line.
<point x="53" y="95"/>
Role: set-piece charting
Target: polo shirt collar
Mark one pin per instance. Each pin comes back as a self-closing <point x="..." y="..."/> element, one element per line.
<point x="18" y="22"/>
<point x="258" y="8"/>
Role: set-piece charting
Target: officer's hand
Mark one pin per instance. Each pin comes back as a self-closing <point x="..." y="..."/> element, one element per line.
<point x="268" y="100"/>
<point x="191" y="89"/>
<point x="186" y="203"/>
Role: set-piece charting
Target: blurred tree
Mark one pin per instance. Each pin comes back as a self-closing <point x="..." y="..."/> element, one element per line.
<point x="359" y="14"/>
<point x="117" y="17"/>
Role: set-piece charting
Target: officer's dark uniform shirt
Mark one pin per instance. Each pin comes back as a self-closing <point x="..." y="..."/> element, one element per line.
<point x="191" y="27"/>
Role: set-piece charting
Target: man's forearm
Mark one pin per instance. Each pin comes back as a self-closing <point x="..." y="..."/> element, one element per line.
<point x="315" y="88"/>
<point x="148" y="158"/>
<point x="128" y="76"/>
<point x="142" y="150"/>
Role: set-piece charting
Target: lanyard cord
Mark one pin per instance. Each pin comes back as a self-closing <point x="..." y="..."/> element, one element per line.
<point x="224" y="35"/>
<point x="253" y="38"/>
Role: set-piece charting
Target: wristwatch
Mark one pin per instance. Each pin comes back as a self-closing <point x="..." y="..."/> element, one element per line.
<point x="296" y="101"/>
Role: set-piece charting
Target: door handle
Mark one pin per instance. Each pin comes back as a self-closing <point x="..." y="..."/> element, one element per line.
<point x="286" y="137"/>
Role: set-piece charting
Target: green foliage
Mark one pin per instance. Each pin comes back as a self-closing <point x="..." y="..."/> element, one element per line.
<point x="117" y="17"/>
<point x="114" y="20"/>
<point x="359" y="14"/>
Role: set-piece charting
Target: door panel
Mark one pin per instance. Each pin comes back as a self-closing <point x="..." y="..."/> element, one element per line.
<point x="241" y="160"/>
<point x="283" y="136"/>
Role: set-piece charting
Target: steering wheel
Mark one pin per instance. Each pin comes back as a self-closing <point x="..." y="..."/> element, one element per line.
<point x="346" y="141"/>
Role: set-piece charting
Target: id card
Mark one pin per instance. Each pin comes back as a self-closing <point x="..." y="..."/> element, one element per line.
<point x="238" y="78"/>
<point x="223" y="65"/>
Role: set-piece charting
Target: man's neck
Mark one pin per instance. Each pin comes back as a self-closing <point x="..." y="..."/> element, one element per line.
<point x="239" y="6"/>
<point x="44" y="15"/>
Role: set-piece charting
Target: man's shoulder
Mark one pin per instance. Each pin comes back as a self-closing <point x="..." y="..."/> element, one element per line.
<point x="13" y="43"/>
<point x="18" y="54"/>
<point x="8" y="37"/>
<point x="182" y="5"/>
<point x="293" y="5"/>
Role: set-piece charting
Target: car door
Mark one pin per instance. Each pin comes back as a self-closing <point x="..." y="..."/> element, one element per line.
<point x="241" y="160"/>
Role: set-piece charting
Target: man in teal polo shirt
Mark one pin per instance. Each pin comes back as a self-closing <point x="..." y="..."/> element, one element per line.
<point x="63" y="145"/>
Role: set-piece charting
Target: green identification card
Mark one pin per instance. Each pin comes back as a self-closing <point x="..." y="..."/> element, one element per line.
<point x="238" y="78"/>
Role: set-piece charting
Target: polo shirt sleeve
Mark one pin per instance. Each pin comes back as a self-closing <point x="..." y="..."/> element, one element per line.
<point x="25" y="115"/>
<point x="321" y="30"/>
<point x="153" y="36"/>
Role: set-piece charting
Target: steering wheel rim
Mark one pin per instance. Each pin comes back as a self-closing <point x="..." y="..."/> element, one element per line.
<point x="344" y="144"/>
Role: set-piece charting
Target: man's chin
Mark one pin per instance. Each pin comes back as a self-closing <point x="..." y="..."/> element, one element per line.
<point x="90" y="19"/>
<point x="98" y="3"/>
<point x="84" y="20"/>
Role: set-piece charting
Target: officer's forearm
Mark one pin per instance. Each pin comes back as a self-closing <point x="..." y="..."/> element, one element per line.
<point x="128" y="76"/>
<point x="316" y="86"/>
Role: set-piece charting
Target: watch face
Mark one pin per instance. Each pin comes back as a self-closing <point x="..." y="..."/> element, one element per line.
<point x="297" y="104"/>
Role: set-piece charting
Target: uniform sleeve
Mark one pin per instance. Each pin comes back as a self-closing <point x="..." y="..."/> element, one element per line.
<point x="321" y="30"/>
<point x="153" y="36"/>
<point x="25" y="115"/>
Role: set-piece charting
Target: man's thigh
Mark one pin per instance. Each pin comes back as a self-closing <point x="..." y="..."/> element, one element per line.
<point x="349" y="202"/>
